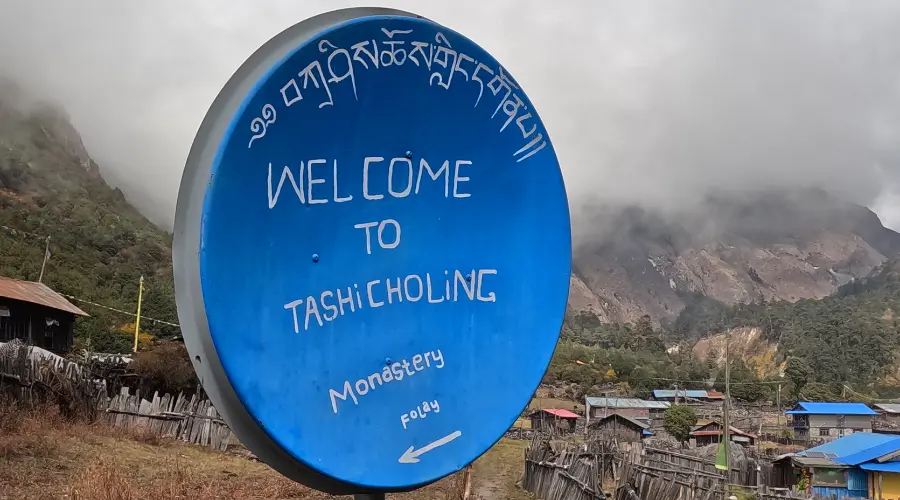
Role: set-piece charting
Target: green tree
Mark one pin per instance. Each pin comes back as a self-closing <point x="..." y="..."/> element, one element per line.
<point x="678" y="421"/>
<point x="798" y="372"/>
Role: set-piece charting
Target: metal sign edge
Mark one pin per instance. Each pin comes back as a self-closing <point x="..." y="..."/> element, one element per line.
<point x="186" y="245"/>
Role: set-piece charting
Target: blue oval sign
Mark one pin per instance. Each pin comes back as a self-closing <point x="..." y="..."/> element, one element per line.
<point x="383" y="253"/>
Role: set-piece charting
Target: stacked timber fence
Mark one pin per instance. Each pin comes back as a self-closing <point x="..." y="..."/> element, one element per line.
<point x="190" y="419"/>
<point x="560" y="476"/>
<point x="743" y="470"/>
<point x="581" y="471"/>
<point x="34" y="376"/>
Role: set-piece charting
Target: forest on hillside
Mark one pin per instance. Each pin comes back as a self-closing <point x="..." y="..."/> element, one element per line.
<point x="842" y="346"/>
<point x="99" y="245"/>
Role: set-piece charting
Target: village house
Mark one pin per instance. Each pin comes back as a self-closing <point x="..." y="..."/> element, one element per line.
<point x="554" y="421"/>
<point x="648" y="412"/>
<point x="619" y="428"/>
<point x="829" y="421"/>
<point x="687" y="395"/>
<point x="711" y="433"/>
<point x="861" y="465"/>
<point x="36" y="315"/>
<point x="888" y="416"/>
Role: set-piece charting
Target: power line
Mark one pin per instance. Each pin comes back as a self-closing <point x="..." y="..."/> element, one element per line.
<point x="772" y="382"/>
<point x="17" y="232"/>
<point x="143" y="318"/>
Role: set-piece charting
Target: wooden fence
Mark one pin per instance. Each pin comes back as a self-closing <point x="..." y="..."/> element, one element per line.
<point x="34" y="376"/>
<point x="192" y="420"/>
<point x="565" y="476"/>
<point x="579" y="471"/>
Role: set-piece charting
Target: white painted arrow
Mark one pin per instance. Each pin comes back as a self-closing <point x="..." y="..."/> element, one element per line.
<point x="411" y="455"/>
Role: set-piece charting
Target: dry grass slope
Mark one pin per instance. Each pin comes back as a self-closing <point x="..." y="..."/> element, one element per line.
<point x="44" y="457"/>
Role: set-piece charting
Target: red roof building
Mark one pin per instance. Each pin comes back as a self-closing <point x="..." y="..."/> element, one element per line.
<point x="554" y="421"/>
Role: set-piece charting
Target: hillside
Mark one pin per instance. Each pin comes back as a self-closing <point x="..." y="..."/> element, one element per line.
<point x="99" y="244"/>
<point x="775" y="245"/>
<point x="805" y="277"/>
<point x="850" y="337"/>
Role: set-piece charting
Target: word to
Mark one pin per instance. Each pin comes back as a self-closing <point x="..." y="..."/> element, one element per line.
<point x="331" y="304"/>
<point x="420" y="411"/>
<point x="396" y="371"/>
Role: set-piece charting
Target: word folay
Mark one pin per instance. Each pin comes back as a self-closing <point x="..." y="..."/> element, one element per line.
<point x="411" y="455"/>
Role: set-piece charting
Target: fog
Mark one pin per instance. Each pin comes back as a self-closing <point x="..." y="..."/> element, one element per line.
<point x="647" y="102"/>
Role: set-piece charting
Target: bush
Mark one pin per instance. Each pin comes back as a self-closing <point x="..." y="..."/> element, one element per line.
<point x="678" y="421"/>
<point x="166" y="367"/>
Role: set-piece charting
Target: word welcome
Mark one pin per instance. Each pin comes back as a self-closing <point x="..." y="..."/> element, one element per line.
<point x="420" y="411"/>
<point x="442" y="63"/>
<point x="332" y="304"/>
<point x="394" y="372"/>
<point x="402" y="176"/>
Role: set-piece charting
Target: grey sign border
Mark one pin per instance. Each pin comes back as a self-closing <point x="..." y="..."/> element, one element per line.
<point x="186" y="246"/>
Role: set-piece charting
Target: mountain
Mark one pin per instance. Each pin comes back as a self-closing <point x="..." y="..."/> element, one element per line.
<point x="769" y="245"/>
<point x="100" y="245"/>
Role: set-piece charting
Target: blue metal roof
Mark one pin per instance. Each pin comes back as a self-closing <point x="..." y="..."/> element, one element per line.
<point x="881" y="467"/>
<point x="858" y="447"/>
<point x="670" y="393"/>
<point x="806" y="408"/>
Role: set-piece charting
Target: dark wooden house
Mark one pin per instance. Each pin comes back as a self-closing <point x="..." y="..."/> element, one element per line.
<point x="36" y="315"/>
<point x="620" y="428"/>
<point x="554" y="421"/>
<point x="711" y="433"/>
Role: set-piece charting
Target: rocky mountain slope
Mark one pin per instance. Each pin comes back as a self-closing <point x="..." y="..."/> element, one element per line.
<point x="100" y="245"/>
<point x="773" y="245"/>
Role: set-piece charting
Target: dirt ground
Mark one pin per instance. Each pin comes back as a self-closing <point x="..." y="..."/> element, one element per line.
<point x="495" y="474"/>
<point x="42" y="457"/>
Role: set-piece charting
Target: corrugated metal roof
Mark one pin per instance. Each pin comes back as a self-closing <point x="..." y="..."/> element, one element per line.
<point x="858" y="447"/>
<point x="734" y="430"/>
<point x="636" y="422"/>
<point x="816" y="462"/>
<point x="36" y="293"/>
<point x="559" y="412"/>
<point x="807" y="408"/>
<point x="881" y="467"/>
<point x="888" y="407"/>
<point x="670" y="393"/>
<point x="631" y="403"/>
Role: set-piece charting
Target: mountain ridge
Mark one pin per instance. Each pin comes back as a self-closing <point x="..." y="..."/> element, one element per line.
<point x="777" y="245"/>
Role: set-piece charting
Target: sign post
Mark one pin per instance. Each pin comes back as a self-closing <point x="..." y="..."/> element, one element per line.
<point x="372" y="252"/>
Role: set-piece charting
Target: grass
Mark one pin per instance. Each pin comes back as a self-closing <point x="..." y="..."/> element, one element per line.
<point x="496" y="473"/>
<point x="42" y="456"/>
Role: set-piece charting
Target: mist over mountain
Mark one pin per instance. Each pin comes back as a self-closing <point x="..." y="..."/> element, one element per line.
<point x="778" y="244"/>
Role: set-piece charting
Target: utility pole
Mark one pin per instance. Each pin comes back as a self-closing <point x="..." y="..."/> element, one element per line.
<point x="778" y="402"/>
<point x="727" y="423"/>
<point x="46" y="257"/>
<point x="137" y="320"/>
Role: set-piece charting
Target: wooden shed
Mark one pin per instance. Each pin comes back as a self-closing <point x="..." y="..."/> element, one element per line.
<point x="711" y="433"/>
<point x="619" y="428"/>
<point x="554" y="421"/>
<point x="888" y="416"/>
<point x="36" y="315"/>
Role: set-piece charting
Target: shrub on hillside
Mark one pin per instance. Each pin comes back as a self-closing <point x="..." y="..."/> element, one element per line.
<point x="166" y="367"/>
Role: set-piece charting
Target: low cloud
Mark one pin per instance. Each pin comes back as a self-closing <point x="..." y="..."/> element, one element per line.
<point x="654" y="103"/>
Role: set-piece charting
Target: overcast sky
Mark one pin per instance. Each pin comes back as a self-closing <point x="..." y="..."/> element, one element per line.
<point x="653" y="102"/>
